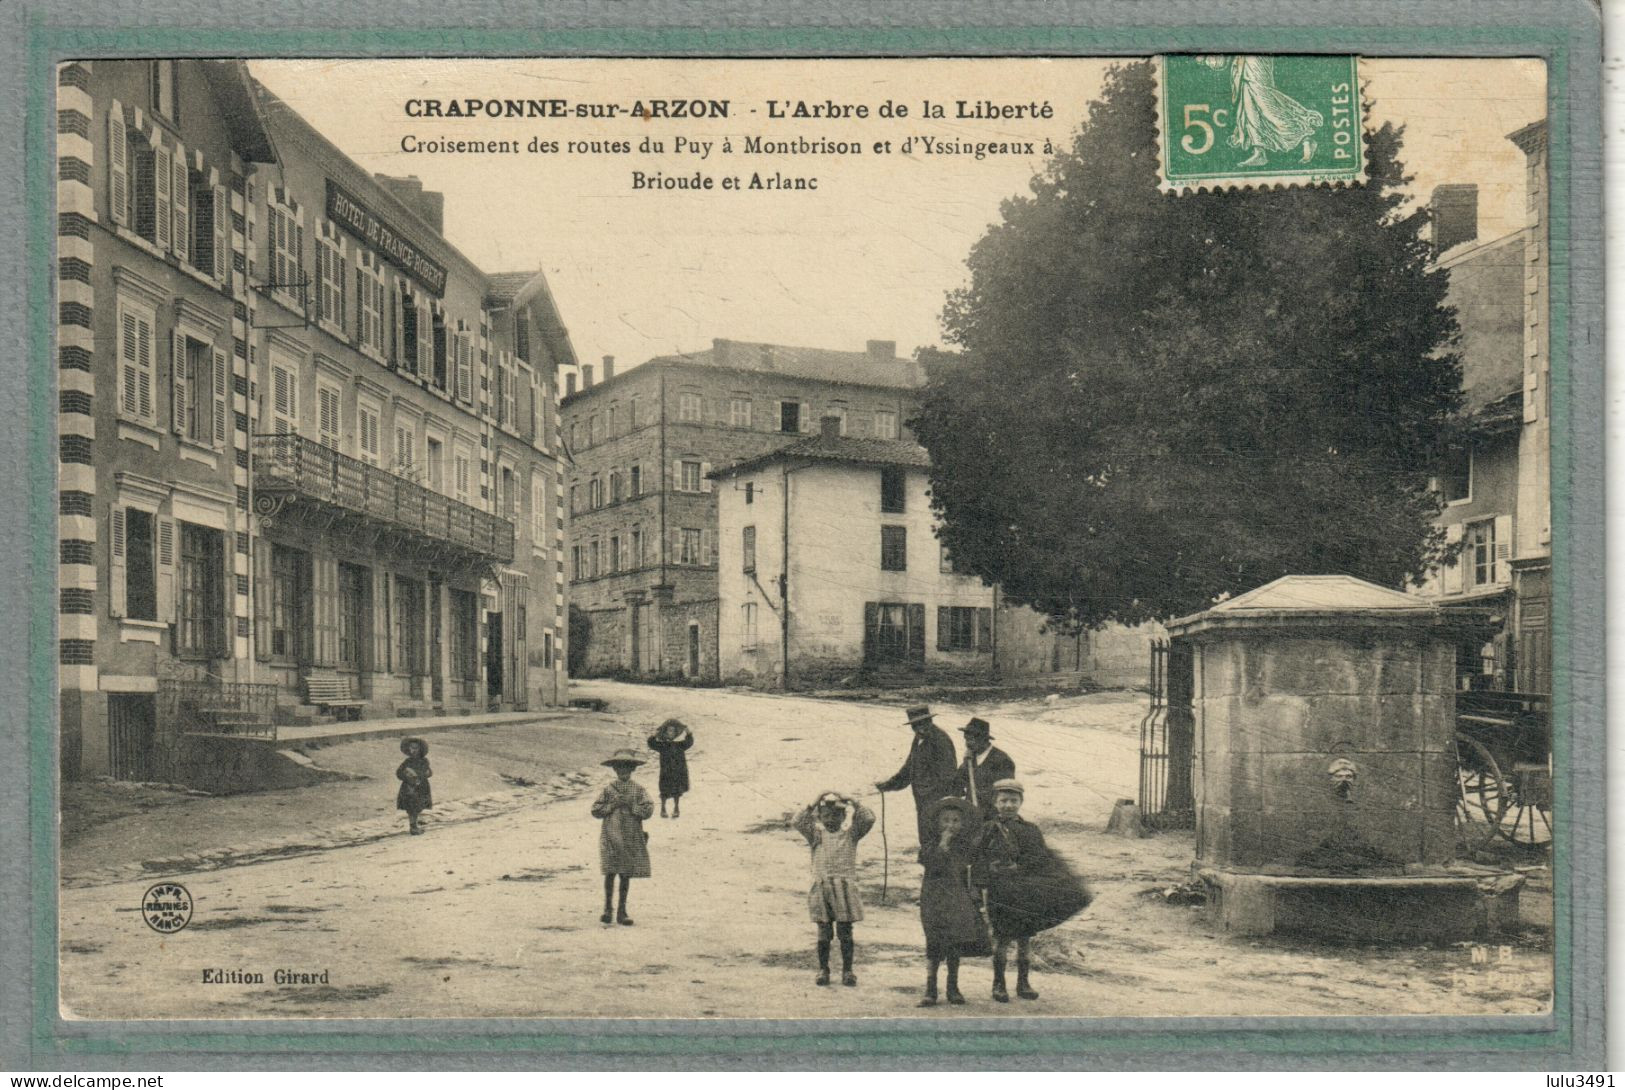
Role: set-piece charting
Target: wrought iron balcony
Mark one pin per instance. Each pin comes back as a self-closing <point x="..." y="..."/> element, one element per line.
<point x="304" y="470"/>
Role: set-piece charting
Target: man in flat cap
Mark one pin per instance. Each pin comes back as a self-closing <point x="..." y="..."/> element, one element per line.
<point x="985" y="764"/>
<point x="929" y="768"/>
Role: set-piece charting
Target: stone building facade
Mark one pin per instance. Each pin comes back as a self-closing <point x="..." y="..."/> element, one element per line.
<point x="643" y="506"/>
<point x="303" y="438"/>
<point x="1497" y="488"/>
<point x="830" y="572"/>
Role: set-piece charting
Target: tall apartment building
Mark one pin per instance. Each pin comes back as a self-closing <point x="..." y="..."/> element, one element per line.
<point x="1497" y="489"/>
<point x="303" y="438"/>
<point x="643" y="511"/>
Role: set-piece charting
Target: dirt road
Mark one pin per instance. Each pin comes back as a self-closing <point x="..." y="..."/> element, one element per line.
<point x="499" y="916"/>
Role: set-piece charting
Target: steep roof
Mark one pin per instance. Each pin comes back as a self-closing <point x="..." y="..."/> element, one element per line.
<point x="504" y="287"/>
<point x="838" y="449"/>
<point x="869" y="368"/>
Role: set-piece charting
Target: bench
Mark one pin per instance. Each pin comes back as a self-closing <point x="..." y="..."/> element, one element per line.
<point x="333" y="691"/>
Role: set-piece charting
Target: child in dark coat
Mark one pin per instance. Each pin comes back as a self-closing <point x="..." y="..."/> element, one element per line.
<point x="953" y="926"/>
<point x="414" y="796"/>
<point x="672" y="742"/>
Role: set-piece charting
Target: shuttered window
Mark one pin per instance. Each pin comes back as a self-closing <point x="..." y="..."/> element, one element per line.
<point x="136" y="365"/>
<point x="893" y="548"/>
<point x="327" y="416"/>
<point x="964" y="628"/>
<point x="284" y="399"/>
<point x="139" y="543"/>
<point x="367" y="423"/>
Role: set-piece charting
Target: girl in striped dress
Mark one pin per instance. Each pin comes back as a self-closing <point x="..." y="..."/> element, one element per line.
<point x="834" y="902"/>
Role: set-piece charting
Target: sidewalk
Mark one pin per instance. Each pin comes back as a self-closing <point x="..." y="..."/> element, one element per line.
<point x="406" y="726"/>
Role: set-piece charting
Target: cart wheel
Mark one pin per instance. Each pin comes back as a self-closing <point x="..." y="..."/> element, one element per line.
<point x="1525" y="820"/>
<point x="1482" y="801"/>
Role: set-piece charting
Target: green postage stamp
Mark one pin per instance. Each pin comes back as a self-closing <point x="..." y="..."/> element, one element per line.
<point x="1237" y="120"/>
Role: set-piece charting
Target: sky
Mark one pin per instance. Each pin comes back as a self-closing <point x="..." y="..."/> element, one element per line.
<point x="872" y="253"/>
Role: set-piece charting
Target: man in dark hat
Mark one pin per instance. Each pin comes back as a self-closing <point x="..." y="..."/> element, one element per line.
<point x="985" y="764"/>
<point x="929" y="768"/>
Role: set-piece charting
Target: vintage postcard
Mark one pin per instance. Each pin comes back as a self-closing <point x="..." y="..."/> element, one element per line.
<point x="912" y="541"/>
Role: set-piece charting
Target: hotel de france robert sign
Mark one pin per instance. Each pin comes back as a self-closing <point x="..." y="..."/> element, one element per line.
<point x="346" y="211"/>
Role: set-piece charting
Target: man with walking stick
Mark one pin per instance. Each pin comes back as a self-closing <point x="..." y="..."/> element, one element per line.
<point x="929" y="768"/>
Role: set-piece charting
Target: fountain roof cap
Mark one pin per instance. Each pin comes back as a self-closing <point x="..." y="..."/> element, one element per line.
<point x="1295" y="601"/>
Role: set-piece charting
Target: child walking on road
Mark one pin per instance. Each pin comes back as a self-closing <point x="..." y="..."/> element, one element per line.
<point x="834" y="901"/>
<point x="414" y="796"/>
<point x="672" y="742"/>
<point x="623" y="846"/>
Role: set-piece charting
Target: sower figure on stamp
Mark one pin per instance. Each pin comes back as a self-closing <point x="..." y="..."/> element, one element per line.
<point x="1029" y="888"/>
<point x="985" y="765"/>
<point x="834" y="901"/>
<point x="929" y="768"/>
<point x="623" y="846"/>
<point x="414" y="795"/>
<point x="672" y="742"/>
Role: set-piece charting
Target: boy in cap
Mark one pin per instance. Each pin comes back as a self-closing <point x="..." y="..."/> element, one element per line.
<point x="985" y="765"/>
<point x="1029" y="888"/>
<point x="623" y="846"/>
<point x="834" y="902"/>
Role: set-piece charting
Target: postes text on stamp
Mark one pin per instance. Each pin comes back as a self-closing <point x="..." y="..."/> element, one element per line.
<point x="1229" y="120"/>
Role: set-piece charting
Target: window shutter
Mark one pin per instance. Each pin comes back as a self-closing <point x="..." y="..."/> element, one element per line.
<point x="219" y="220"/>
<point x="325" y="601"/>
<point x="916" y="632"/>
<point x="225" y="633"/>
<point x="339" y="281"/>
<point x="144" y="370"/>
<point x="705" y="476"/>
<point x="397" y="339"/>
<point x="380" y="621"/>
<point x="677" y="475"/>
<point x="871" y="621"/>
<point x="984" y="629"/>
<point x="676" y="554"/>
<point x="129" y="381"/>
<point x="181" y="195"/>
<point x="942" y="628"/>
<point x="262" y="599"/>
<point x="115" y="563"/>
<point x="166" y="570"/>
<point x="1503" y="550"/>
<point x="179" y="377"/>
<point x="804" y="417"/>
<point x="221" y="439"/>
<point x="465" y="368"/>
<point x="163" y="206"/>
<point x="296" y="266"/>
<point x="706" y="555"/>
<point x="1455" y="576"/>
<point x="118" y="166"/>
<point x="425" y="361"/>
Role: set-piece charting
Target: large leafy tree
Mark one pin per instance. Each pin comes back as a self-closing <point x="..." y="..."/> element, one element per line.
<point x="1153" y="400"/>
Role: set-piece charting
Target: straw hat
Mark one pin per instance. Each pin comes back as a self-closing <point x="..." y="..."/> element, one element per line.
<point x="623" y="757"/>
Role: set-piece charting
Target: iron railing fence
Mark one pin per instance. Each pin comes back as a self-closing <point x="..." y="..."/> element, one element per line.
<point x="217" y="707"/>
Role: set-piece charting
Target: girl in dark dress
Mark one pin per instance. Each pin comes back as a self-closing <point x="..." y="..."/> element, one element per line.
<point x="414" y="796"/>
<point x="672" y="741"/>
<point x="1029" y="888"/>
<point x="953" y="927"/>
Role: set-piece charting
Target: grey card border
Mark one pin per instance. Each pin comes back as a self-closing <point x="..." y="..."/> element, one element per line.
<point x="34" y="33"/>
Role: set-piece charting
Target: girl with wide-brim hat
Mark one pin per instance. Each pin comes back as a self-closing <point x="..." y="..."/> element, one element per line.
<point x="414" y="796"/>
<point x="623" y="846"/>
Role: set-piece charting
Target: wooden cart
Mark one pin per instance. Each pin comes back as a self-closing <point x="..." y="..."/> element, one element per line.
<point x="1504" y="762"/>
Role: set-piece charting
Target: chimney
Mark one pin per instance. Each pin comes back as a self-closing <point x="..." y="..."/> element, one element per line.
<point x="719" y="351"/>
<point x="609" y="368"/>
<point x="882" y="349"/>
<point x="426" y="204"/>
<point x="764" y="353"/>
<point x="829" y="426"/>
<point x="586" y="376"/>
<point x="569" y="383"/>
<point x="1455" y="216"/>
